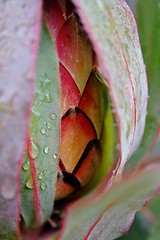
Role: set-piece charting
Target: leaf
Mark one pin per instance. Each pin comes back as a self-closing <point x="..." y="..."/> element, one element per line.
<point x="39" y="170"/>
<point x="154" y="208"/>
<point x="155" y="233"/>
<point x="115" y="210"/>
<point x="118" y="50"/>
<point x="19" y="36"/>
<point x="148" y="20"/>
<point x="140" y="228"/>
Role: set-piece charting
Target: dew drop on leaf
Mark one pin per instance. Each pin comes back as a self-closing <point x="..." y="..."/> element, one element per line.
<point x="48" y="126"/>
<point x="43" y="186"/>
<point x="52" y="116"/>
<point x="41" y="175"/>
<point x="43" y="131"/>
<point x="29" y="183"/>
<point x="46" y="150"/>
<point x="34" y="151"/>
<point x="35" y="112"/>
<point x="26" y="166"/>
<point x="47" y="81"/>
<point x="47" y="98"/>
<point x="55" y="155"/>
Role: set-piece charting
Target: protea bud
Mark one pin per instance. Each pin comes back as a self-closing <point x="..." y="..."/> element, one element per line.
<point x="86" y="119"/>
<point x="82" y="99"/>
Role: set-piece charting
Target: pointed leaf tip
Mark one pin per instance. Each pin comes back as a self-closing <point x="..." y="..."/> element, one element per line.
<point x="43" y="147"/>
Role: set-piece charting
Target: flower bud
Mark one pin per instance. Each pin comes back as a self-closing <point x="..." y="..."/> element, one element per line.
<point x="82" y="107"/>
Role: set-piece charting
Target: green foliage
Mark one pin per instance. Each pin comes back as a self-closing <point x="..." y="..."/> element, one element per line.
<point x="43" y="147"/>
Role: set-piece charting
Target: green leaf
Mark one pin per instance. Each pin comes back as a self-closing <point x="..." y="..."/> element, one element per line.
<point x="155" y="233"/>
<point x="154" y="208"/>
<point x="117" y="47"/>
<point x="112" y="215"/>
<point x="39" y="170"/>
<point x="18" y="36"/>
<point x="148" y="20"/>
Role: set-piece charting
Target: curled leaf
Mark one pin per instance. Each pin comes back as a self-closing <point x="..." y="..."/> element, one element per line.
<point x="17" y="63"/>
<point x="148" y="21"/>
<point x="118" y="50"/>
<point x="111" y="215"/>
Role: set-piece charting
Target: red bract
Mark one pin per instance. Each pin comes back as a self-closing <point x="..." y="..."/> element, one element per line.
<point x="82" y="100"/>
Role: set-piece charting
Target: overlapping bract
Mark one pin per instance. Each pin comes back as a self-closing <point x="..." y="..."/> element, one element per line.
<point x="82" y="99"/>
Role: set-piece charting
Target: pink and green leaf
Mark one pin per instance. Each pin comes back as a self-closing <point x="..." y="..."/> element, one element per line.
<point x="19" y="44"/>
<point x="39" y="170"/>
<point x="148" y="20"/>
<point x="110" y="216"/>
<point x="120" y="61"/>
<point x="140" y="228"/>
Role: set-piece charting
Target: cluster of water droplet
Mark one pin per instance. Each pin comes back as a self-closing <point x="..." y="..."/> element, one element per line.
<point x="26" y="165"/>
<point x="44" y="130"/>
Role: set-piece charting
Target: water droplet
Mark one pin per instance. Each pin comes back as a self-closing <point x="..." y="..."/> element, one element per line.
<point x="48" y="126"/>
<point x="47" y="81"/>
<point x="46" y="150"/>
<point x="29" y="183"/>
<point x="8" y="188"/>
<point x="55" y="155"/>
<point x="41" y="175"/>
<point x="34" y="150"/>
<point x="26" y="166"/>
<point x="43" y="186"/>
<point x="52" y="116"/>
<point x="47" y="98"/>
<point x="43" y="131"/>
<point x="35" y="112"/>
